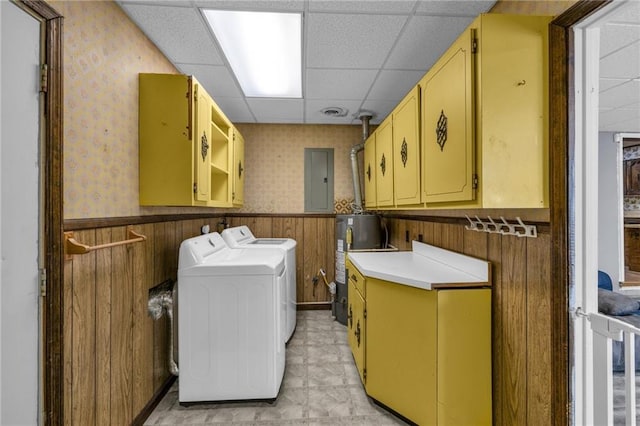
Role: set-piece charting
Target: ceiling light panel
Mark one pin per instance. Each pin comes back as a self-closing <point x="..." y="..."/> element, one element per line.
<point x="264" y="50"/>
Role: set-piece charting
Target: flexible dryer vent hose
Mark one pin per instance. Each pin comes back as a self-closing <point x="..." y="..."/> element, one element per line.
<point x="160" y="302"/>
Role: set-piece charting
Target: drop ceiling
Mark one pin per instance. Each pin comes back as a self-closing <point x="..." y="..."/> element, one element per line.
<point x="619" y="100"/>
<point x="363" y="56"/>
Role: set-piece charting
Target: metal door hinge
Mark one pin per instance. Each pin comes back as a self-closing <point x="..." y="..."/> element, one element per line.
<point x="44" y="78"/>
<point x="233" y="196"/>
<point x="43" y="282"/>
<point x="195" y="187"/>
<point x="364" y="373"/>
<point x="365" y="313"/>
<point x="474" y="45"/>
<point x="474" y="183"/>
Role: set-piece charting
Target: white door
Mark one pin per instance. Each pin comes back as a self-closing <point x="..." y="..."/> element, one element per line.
<point x="592" y="368"/>
<point x="19" y="216"/>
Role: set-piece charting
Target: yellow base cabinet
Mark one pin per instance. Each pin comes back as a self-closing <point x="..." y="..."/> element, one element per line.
<point x="485" y="117"/>
<point x="428" y="354"/>
<point x="185" y="145"/>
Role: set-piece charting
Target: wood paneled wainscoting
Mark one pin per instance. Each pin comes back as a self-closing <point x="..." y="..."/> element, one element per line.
<point x="522" y="308"/>
<point x="115" y="356"/>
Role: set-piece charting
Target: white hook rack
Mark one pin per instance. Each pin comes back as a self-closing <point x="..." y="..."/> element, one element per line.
<point x="519" y="229"/>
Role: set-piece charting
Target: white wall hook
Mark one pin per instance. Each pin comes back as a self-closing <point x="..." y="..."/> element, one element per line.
<point x="504" y="227"/>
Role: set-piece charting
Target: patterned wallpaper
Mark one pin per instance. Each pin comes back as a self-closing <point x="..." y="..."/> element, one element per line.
<point x="103" y="54"/>
<point x="274" y="157"/>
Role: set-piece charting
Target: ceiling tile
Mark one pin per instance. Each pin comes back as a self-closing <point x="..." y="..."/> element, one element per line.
<point x="270" y="110"/>
<point x="628" y="12"/>
<point x="621" y="96"/>
<point x="610" y="83"/>
<point x="179" y="32"/>
<point x="439" y="31"/>
<point x="350" y="41"/>
<point x="614" y="37"/>
<point x="363" y="6"/>
<point x="236" y="109"/>
<point x="393" y="85"/>
<point x="339" y="84"/>
<point x="624" y="63"/>
<point x="313" y="112"/>
<point x="620" y="120"/>
<point x="454" y="7"/>
<point x="216" y="79"/>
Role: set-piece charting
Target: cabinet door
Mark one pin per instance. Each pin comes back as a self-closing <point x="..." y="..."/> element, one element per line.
<point x="202" y="143"/>
<point x="356" y="329"/>
<point x="406" y="150"/>
<point x="448" y="126"/>
<point x="402" y="349"/>
<point x="370" y="172"/>
<point x="384" y="163"/>
<point x="238" y="172"/>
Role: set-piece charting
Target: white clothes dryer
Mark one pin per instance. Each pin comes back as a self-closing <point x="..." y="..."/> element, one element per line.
<point x="242" y="237"/>
<point x="230" y="320"/>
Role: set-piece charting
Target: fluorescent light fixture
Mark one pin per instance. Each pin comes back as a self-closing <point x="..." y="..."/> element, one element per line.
<point x="264" y="49"/>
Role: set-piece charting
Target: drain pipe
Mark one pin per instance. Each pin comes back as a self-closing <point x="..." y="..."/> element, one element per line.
<point x="357" y="191"/>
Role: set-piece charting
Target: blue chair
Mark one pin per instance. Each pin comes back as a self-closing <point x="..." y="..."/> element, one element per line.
<point x="604" y="281"/>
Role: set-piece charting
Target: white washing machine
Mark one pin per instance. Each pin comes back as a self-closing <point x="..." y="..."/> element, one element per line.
<point x="242" y="237"/>
<point x="230" y="320"/>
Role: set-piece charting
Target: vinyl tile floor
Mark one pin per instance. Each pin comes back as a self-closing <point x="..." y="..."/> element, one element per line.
<point x="321" y="386"/>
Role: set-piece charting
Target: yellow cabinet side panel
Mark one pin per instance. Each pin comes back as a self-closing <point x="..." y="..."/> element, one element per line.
<point x="370" y="172"/>
<point x="464" y="352"/>
<point x="448" y="126"/>
<point x="203" y="143"/>
<point x="238" y="168"/>
<point x="406" y="149"/>
<point x="384" y="163"/>
<point x="402" y="348"/>
<point x="356" y="329"/>
<point x="166" y="152"/>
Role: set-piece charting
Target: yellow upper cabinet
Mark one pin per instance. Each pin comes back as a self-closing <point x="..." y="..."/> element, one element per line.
<point x="184" y="144"/>
<point x="406" y="150"/>
<point x="238" y="168"/>
<point x="447" y="125"/>
<point x="491" y="105"/>
<point x="370" y="172"/>
<point x="384" y="163"/>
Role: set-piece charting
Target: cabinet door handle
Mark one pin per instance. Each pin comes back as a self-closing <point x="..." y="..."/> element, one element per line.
<point x="204" y="146"/>
<point x="403" y="152"/>
<point x="350" y="316"/>
<point x="357" y="332"/>
<point x="354" y="278"/>
<point x="240" y="169"/>
<point x="383" y="164"/>
<point x="369" y="171"/>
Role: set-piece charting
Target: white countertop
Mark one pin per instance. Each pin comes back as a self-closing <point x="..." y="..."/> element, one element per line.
<point x="425" y="267"/>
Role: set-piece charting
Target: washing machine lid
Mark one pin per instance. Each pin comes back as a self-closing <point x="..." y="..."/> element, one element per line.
<point x="237" y="236"/>
<point x="209" y="255"/>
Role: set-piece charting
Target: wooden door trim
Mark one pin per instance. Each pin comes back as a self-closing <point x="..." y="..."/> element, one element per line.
<point x="561" y="157"/>
<point x="52" y="305"/>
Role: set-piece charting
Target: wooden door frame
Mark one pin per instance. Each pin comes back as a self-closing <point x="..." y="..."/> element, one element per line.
<point x="561" y="156"/>
<point x="52" y="128"/>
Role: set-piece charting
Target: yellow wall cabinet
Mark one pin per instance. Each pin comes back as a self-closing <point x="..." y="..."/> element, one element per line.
<point x="485" y="117"/>
<point x="370" y="200"/>
<point x="393" y="150"/>
<point x="384" y="163"/>
<point x="406" y="150"/>
<point x="237" y="195"/>
<point x="185" y="144"/>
